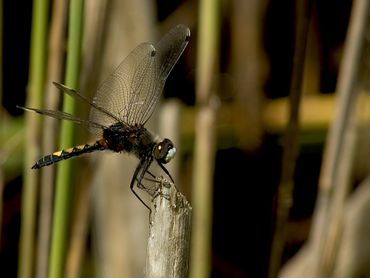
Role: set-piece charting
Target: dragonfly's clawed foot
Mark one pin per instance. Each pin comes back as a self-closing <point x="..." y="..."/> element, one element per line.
<point x="160" y="193"/>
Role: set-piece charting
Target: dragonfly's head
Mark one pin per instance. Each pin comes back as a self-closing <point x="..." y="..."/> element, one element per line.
<point x="164" y="151"/>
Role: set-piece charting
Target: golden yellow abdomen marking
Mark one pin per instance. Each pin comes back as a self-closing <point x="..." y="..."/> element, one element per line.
<point x="71" y="150"/>
<point x="58" y="153"/>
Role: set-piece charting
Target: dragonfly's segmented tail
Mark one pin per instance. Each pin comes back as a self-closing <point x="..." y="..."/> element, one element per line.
<point x="68" y="153"/>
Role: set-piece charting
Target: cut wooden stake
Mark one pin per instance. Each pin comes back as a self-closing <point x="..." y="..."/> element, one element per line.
<point x="169" y="234"/>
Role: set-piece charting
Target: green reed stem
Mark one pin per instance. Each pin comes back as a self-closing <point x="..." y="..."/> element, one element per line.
<point x="33" y="126"/>
<point x="63" y="185"/>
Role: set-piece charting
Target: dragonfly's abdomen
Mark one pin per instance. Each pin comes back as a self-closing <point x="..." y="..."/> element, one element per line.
<point x="68" y="153"/>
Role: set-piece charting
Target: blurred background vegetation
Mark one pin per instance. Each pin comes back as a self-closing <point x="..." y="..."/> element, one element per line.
<point x="286" y="144"/>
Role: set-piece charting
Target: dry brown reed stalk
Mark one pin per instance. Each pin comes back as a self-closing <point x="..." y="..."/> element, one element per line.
<point x="318" y="257"/>
<point x="117" y="215"/>
<point x="204" y="149"/>
<point x="291" y="148"/>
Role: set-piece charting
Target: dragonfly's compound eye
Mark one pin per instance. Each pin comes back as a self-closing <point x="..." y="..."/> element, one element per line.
<point x="164" y="151"/>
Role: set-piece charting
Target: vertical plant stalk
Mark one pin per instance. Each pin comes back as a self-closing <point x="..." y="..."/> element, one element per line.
<point x="93" y="42"/>
<point x="2" y="116"/>
<point x="79" y="230"/>
<point x="285" y="189"/>
<point x="169" y="234"/>
<point x="319" y="256"/>
<point x="55" y="54"/>
<point x="33" y="124"/>
<point x="247" y="65"/>
<point x="123" y="255"/>
<point x="204" y="153"/>
<point x="335" y="179"/>
<point x="63" y="186"/>
<point x="1" y="53"/>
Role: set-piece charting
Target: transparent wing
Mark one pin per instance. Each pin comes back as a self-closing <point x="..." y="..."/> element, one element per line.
<point x="76" y="95"/>
<point x="64" y="116"/>
<point x="168" y="52"/>
<point x="96" y="126"/>
<point x="170" y="48"/>
<point x="124" y="91"/>
<point x="132" y="90"/>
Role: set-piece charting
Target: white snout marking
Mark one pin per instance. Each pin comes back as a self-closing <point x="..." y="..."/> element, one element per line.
<point x="170" y="154"/>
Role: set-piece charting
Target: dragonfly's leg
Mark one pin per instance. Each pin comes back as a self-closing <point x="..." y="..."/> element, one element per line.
<point x="150" y="191"/>
<point x="134" y="179"/>
<point x="166" y="171"/>
<point x="156" y="192"/>
<point x="144" y="166"/>
<point x="168" y="174"/>
<point x="160" y="193"/>
<point x="150" y="173"/>
<point x="153" y="178"/>
<point x="140" y="177"/>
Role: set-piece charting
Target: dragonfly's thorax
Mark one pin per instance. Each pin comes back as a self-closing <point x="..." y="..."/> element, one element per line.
<point x="122" y="138"/>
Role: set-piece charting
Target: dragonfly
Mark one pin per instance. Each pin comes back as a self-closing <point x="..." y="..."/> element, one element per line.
<point x="123" y="104"/>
